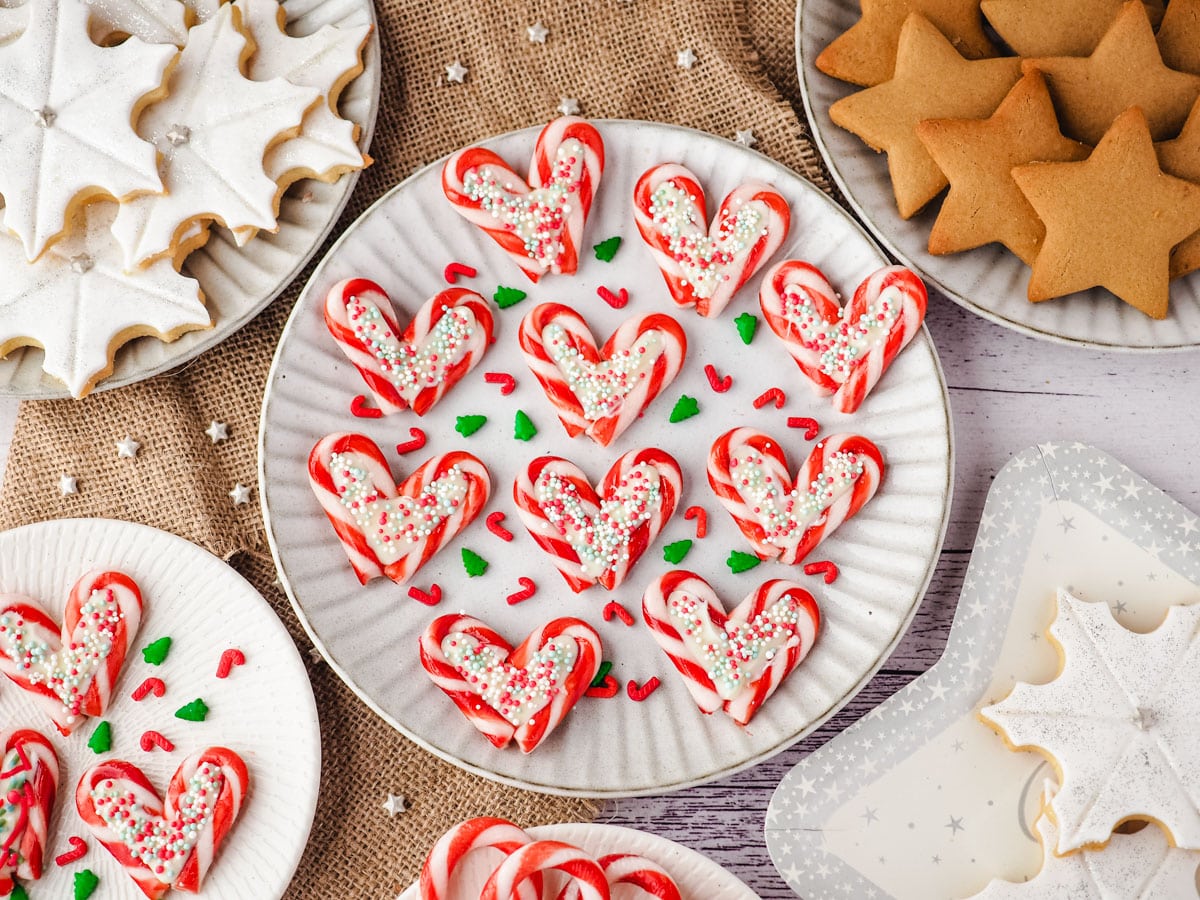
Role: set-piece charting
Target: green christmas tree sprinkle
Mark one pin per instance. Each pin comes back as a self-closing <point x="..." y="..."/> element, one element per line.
<point x="523" y="427"/>
<point x="192" y="712"/>
<point x="746" y="324"/>
<point x="674" y="553"/>
<point x="468" y="425"/>
<point x="601" y="674"/>
<point x="156" y="653"/>
<point x="606" y="250"/>
<point x="86" y="883"/>
<point x="739" y="562"/>
<point x="508" y="296"/>
<point x="685" y="408"/>
<point x="475" y="564"/>
<point x="101" y="739"/>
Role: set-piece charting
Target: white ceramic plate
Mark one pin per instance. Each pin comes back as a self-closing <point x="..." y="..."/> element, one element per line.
<point x="264" y="710"/>
<point x="989" y="281"/>
<point x="240" y="282"/>
<point x="616" y="746"/>
<point x="696" y="875"/>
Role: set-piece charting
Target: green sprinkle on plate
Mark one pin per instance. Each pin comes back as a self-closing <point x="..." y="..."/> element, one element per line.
<point x="523" y="427"/>
<point x="468" y="425"/>
<point x="508" y="296"/>
<point x="475" y="564"/>
<point x="606" y="250"/>
<point x="601" y="673"/>
<point x="674" y="553"/>
<point x="746" y="324"/>
<point x="192" y="712"/>
<point x="156" y="653"/>
<point x="685" y="408"/>
<point x="101" y="739"/>
<point x="86" y="883"/>
<point x="739" y="562"/>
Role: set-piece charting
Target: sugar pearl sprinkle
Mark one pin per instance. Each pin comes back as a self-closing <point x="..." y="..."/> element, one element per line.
<point x="601" y="541"/>
<point x="12" y="799"/>
<point x="412" y="369"/>
<point x="69" y="671"/>
<point x="162" y="845"/>
<point x="735" y="656"/>
<point x="702" y="258"/>
<point x="842" y="343"/>
<point x="517" y="694"/>
<point x="537" y="217"/>
<point x="393" y="525"/>
<point x="601" y="387"/>
<point x="784" y="515"/>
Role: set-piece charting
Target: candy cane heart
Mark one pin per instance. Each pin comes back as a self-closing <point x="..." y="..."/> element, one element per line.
<point x="538" y="222"/>
<point x="542" y="856"/>
<point x="467" y="837"/>
<point x="732" y="661"/>
<point x="71" y="670"/>
<point x="387" y="529"/>
<point x="843" y="351"/>
<point x="414" y="369"/>
<point x="785" y="518"/>
<point x="597" y="536"/>
<point x="171" y="843"/>
<point x="704" y="265"/>
<point x="28" y="784"/>
<point x="508" y="694"/>
<point x="600" y="392"/>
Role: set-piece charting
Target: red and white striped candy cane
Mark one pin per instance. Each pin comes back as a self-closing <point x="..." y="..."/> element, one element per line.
<point x="121" y="808"/>
<point x="803" y="520"/>
<point x="28" y="781"/>
<point x="732" y="661"/>
<point x="387" y="529"/>
<point x="704" y="266"/>
<point x="538" y="222"/>
<point x="628" y="868"/>
<point x="103" y="610"/>
<point x="563" y="513"/>
<point x="843" y="351"/>
<point x="445" y="340"/>
<point x="501" y="668"/>
<point x="600" y="392"/>
<point x="542" y="856"/>
<point x="474" y="834"/>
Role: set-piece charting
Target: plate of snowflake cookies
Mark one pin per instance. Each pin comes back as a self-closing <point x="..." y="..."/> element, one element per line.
<point x="201" y="152"/>
<point x="541" y="437"/>
<point x="144" y="746"/>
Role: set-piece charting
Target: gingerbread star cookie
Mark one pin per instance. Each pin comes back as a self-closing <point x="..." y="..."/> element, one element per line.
<point x="1179" y="36"/>
<point x="1126" y="69"/>
<point x="77" y="302"/>
<point x="1055" y="27"/>
<point x="1120" y="723"/>
<point x="1139" y="866"/>
<point x="977" y="157"/>
<point x="212" y="132"/>
<point x="67" y="109"/>
<point x="866" y="53"/>
<point x="1181" y="158"/>
<point x="932" y="81"/>
<point x="1111" y="220"/>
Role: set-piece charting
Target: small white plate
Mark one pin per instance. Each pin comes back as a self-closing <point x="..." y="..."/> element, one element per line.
<point x="989" y="281"/>
<point x="695" y="874"/>
<point x="609" y="747"/>
<point x="264" y="710"/>
<point x="240" y="282"/>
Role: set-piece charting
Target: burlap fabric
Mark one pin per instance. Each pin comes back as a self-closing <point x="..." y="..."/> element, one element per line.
<point x="618" y="59"/>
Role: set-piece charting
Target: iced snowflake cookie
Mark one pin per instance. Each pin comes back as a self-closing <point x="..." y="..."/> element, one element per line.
<point x="79" y="304"/>
<point x="68" y="107"/>
<point x="211" y="132"/>
<point x="153" y="21"/>
<point x="1120" y="722"/>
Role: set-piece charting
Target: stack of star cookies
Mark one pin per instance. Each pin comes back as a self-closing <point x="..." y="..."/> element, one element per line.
<point x="128" y="130"/>
<point x="1080" y="154"/>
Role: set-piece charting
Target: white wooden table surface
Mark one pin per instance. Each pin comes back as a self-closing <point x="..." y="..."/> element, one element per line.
<point x="1007" y="392"/>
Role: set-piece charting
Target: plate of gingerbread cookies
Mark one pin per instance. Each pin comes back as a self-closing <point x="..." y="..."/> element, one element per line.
<point x="513" y="513"/>
<point x="174" y="218"/>
<point x="994" y="147"/>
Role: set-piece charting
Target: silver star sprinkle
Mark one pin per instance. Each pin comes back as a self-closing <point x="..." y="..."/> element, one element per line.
<point x="685" y="58"/>
<point x="68" y="484"/>
<point x="568" y="106"/>
<point x="128" y="448"/>
<point x="240" y="494"/>
<point x="456" y="72"/>
<point x="745" y="137"/>
<point x="217" y="431"/>
<point x="537" y="33"/>
<point x="178" y="134"/>
<point x="396" y="803"/>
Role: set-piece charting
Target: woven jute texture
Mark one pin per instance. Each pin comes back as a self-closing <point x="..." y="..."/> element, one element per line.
<point x="618" y="60"/>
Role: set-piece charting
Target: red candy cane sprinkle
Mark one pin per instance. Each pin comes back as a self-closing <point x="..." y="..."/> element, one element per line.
<point x="609" y="689"/>
<point x="701" y="517"/>
<point x="528" y="589"/>
<point x="638" y="694"/>
<point x="78" y="851"/>
<point x="616" y="301"/>
<point x="433" y="598"/>
<point x="415" y="442"/>
<point x="493" y="525"/>
<point x="454" y="269"/>
<point x="616" y="610"/>
<point x="824" y="567"/>
<point x="716" y="382"/>
<point x="768" y="395"/>
<point x="811" y="426"/>
<point x="150" y="685"/>
<point x="152" y="739"/>
<point x="230" y="658"/>
<point x="507" y="383"/>
<point x="358" y="406"/>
